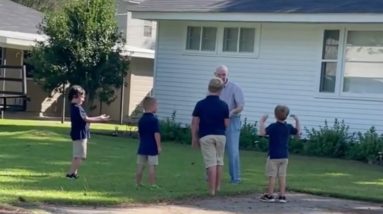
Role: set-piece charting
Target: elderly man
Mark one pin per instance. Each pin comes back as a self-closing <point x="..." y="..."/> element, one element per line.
<point x="232" y="94"/>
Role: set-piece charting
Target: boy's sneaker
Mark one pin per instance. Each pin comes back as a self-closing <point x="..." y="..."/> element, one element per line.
<point x="72" y="176"/>
<point x="282" y="199"/>
<point x="267" y="198"/>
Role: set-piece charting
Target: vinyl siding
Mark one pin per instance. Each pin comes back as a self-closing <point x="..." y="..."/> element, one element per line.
<point x="286" y="72"/>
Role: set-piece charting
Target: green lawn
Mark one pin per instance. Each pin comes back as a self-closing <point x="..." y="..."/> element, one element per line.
<point x="34" y="156"/>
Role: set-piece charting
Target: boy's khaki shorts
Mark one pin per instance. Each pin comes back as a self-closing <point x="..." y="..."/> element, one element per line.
<point x="276" y="167"/>
<point x="213" y="149"/>
<point x="80" y="148"/>
<point x="151" y="160"/>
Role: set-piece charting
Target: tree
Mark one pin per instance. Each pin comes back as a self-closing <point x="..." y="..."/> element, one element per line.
<point x="83" y="48"/>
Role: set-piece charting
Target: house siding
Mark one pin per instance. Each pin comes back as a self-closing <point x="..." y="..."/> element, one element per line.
<point x="286" y="72"/>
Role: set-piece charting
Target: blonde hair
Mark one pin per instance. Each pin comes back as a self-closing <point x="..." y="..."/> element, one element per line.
<point x="281" y="112"/>
<point x="148" y="102"/>
<point x="215" y="85"/>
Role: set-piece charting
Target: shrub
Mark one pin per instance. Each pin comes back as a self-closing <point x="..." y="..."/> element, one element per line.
<point x="367" y="147"/>
<point x="248" y="136"/>
<point x="329" y="141"/>
<point x="174" y="131"/>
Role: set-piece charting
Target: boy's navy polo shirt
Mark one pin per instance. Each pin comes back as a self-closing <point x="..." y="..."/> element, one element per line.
<point x="148" y="125"/>
<point x="212" y="113"/>
<point x="79" y="127"/>
<point x="279" y="134"/>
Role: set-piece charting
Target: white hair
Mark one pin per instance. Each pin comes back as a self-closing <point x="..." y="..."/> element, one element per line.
<point x="222" y="68"/>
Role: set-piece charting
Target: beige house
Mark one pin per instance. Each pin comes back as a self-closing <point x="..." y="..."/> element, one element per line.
<point x="18" y="34"/>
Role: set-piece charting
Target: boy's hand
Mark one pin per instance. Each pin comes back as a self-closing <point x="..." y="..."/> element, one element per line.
<point x="264" y="118"/>
<point x="104" y="117"/>
<point x="195" y="143"/>
<point x="159" y="149"/>
<point x="294" y="117"/>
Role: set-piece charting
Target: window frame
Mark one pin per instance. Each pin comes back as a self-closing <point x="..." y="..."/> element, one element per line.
<point x="219" y="39"/>
<point x="199" y="51"/>
<point x="339" y="83"/>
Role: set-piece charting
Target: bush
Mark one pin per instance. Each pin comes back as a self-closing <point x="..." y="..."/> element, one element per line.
<point x="174" y="131"/>
<point x="367" y="147"/>
<point x="329" y="141"/>
<point x="248" y="136"/>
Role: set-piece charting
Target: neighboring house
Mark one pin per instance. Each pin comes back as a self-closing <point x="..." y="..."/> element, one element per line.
<point x="324" y="59"/>
<point x="18" y="34"/>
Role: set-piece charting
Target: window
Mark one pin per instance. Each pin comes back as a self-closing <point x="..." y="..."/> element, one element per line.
<point x="148" y="27"/>
<point x="352" y="66"/>
<point x="363" y="68"/>
<point x="28" y="67"/>
<point x="238" y="40"/>
<point x="329" y="60"/>
<point x="201" y="38"/>
<point x="1" y="56"/>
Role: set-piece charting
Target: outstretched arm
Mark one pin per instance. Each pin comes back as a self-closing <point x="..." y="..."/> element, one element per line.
<point x="297" y="125"/>
<point x="262" y="128"/>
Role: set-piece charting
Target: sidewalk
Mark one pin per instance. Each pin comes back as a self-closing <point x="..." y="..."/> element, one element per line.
<point x="297" y="203"/>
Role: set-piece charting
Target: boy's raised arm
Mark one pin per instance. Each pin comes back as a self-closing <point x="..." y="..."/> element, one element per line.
<point x="297" y="125"/>
<point x="262" y="128"/>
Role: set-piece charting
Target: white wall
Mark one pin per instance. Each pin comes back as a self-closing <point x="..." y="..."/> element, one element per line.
<point x="286" y="72"/>
<point x="135" y="33"/>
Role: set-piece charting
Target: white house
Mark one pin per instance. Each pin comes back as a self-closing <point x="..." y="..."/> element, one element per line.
<point x="324" y="59"/>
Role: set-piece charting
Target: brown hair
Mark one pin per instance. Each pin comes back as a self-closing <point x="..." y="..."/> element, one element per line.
<point x="148" y="102"/>
<point x="281" y="112"/>
<point x="215" y="85"/>
<point x="75" y="91"/>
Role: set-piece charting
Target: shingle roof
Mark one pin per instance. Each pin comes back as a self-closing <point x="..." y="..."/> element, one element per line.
<point x="18" y="18"/>
<point x="262" y="6"/>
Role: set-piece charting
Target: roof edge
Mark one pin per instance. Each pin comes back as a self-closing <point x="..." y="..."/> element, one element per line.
<point x="263" y="17"/>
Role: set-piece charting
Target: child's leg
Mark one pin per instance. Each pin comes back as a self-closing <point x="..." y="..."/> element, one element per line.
<point x="142" y="160"/>
<point x="212" y="179"/>
<point x="152" y="174"/>
<point x="76" y="163"/>
<point x="282" y="185"/>
<point x="139" y="172"/>
<point x="282" y="176"/>
<point x="152" y="162"/>
<point x="79" y="154"/>
<point x="218" y="178"/>
<point x="271" y="184"/>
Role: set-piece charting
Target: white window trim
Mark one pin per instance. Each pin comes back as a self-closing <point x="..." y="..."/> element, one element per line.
<point x="199" y="52"/>
<point x="339" y="83"/>
<point x="219" y="40"/>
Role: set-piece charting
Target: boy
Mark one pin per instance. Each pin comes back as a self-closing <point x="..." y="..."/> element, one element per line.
<point x="150" y="142"/>
<point x="209" y="123"/>
<point x="79" y="128"/>
<point x="276" y="166"/>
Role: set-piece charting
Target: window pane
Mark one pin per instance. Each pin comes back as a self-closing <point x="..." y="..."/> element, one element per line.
<point x="1" y="55"/>
<point x="365" y="46"/>
<point x="148" y="31"/>
<point x="28" y="67"/>
<point x="209" y="35"/>
<point x="330" y="44"/>
<point x="246" y="40"/>
<point x="364" y="78"/>
<point x="193" y="38"/>
<point x="328" y="77"/>
<point x="230" y="39"/>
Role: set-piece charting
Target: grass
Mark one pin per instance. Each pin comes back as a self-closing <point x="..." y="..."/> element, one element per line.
<point x="35" y="156"/>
